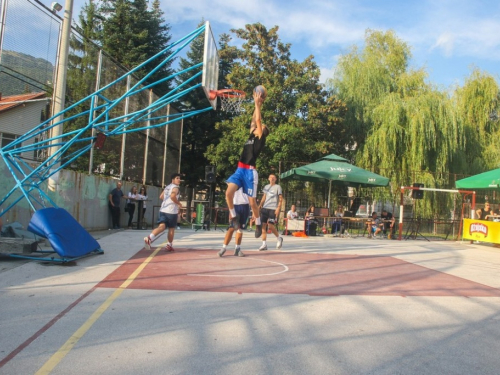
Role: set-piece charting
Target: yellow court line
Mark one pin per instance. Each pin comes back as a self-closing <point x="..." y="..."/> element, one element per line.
<point x="68" y="345"/>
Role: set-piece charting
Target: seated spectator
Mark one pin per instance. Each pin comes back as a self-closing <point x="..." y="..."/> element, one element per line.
<point x="337" y="223"/>
<point x="206" y="222"/>
<point x="311" y="222"/>
<point x="292" y="214"/>
<point x="388" y="221"/>
<point x="374" y="226"/>
<point x="484" y="213"/>
<point x="496" y="214"/>
<point x="310" y="213"/>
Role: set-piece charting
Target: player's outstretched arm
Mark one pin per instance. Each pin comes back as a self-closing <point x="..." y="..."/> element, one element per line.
<point x="257" y="118"/>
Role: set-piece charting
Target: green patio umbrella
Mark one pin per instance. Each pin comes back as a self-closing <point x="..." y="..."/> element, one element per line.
<point x="337" y="171"/>
<point x="486" y="180"/>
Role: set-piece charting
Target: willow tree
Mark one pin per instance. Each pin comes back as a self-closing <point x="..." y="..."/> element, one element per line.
<point x="363" y="78"/>
<point x="476" y="105"/>
<point x="305" y="121"/>
<point x="403" y="127"/>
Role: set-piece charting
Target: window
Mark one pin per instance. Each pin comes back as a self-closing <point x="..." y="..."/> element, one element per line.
<point x="8" y="138"/>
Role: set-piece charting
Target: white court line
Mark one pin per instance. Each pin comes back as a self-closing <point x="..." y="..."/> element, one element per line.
<point x="260" y="260"/>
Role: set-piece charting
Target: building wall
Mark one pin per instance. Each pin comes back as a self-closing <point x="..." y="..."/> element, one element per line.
<point x="21" y="119"/>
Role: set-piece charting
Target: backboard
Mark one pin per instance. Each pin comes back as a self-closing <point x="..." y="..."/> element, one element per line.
<point x="210" y="78"/>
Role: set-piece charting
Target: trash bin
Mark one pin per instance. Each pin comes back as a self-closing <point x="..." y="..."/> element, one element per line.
<point x="311" y="227"/>
<point x="200" y="213"/>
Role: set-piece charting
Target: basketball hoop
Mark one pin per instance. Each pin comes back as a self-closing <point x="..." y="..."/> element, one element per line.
<point x="230" y="100"/>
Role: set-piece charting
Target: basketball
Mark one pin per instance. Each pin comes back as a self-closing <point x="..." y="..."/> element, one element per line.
<point x="262" y="90"/>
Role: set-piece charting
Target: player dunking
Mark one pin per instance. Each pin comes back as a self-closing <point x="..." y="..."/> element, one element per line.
<point x="246" y="175"/>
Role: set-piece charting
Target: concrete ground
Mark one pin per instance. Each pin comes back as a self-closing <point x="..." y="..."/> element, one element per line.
<point x="317" y="306"/>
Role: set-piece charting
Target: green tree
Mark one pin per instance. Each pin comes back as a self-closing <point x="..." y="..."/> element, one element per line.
<point x="131" y="34"/>
<point x="363" y="78"/>
<point x="476" y="104"/>
<point x="407" y="129"/>
<point x="81" y="76"/>
<point x="305" y="121"/>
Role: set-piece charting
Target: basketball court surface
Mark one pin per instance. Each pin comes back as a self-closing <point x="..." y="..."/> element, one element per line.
<point x="318" y="305"/>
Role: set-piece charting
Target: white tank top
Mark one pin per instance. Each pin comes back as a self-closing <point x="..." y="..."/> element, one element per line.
<point x="168" y="206"/>
<point x="240" y="197"/>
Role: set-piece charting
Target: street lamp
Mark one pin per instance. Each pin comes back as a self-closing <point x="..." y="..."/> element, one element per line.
<point x="55" y="7"/>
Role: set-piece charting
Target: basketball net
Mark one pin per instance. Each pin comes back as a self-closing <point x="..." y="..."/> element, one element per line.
<point x="231" y="100"/>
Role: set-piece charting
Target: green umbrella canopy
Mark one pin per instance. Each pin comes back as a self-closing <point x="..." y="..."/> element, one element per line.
<point x="486" y="180"/>
<point x="337" y="170"/>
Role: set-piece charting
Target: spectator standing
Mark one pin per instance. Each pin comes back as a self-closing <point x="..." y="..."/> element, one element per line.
<point x="132" y="195"/>
<point x="114" y="199"/>
<point x="242" y="208"/>
<point x="143" y="196"/>
<point x="270" y="206"/>
<point x="169" y="211"/>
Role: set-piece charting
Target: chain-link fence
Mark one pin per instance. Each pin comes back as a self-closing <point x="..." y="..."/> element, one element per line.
<point x="29" y="36"/>
<point x="28" y="62"/>
<point x="435" y="216"/>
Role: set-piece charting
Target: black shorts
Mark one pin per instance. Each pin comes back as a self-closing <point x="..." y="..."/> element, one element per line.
<point x="267" y="216"/>
<point x="244" y="211"/>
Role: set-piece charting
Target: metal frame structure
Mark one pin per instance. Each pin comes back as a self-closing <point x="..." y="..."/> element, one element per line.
<point x="401" y="207"/>
<point x="100" y="120"/>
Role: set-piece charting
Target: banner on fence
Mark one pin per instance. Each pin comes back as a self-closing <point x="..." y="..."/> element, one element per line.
<point x="482" y="230"/>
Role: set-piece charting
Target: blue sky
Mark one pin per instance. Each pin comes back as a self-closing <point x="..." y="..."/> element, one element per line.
<point x="446" y="37"/>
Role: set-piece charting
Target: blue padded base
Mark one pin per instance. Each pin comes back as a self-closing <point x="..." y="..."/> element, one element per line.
<point x="68" y="238"/>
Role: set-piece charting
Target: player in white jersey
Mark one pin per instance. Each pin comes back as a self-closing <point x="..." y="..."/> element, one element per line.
<point x="242" y="208"/>
<point x="270" y="206"/>
<point x="169" y="211"/>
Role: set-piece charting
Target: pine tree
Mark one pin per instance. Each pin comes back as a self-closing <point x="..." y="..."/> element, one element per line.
<point x="81" y="77"/>
<point x="132" y="34"/>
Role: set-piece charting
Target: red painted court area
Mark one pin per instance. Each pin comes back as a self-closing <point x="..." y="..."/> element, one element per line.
<point x="290" y="273"/>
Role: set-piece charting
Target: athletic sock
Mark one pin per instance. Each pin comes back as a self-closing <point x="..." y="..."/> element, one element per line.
<point x="264" y="243"/>
<point x="257" y="221"/>
<point x="232" y="212"/>
<point x="224" y="246"/>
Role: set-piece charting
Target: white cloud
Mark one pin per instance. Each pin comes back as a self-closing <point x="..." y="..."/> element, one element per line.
<point x="326" y="73"/>
<point x="445" y="42"/>
<point x="444" y="28"/>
